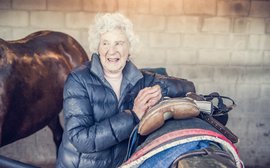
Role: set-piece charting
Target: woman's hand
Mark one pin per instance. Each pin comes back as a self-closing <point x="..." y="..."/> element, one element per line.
<point x="146" y="98"/>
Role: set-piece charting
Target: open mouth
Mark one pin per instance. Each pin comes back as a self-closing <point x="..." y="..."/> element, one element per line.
<point x="113" y="59"/>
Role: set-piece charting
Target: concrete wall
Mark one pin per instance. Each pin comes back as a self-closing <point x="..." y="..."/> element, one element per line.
<point x="220" y="45"/>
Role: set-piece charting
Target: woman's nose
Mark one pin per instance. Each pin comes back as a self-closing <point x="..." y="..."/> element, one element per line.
<point x="111" y="49"/>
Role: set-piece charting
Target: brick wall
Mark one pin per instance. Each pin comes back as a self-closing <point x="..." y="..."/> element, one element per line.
<point x="220" y="45"/>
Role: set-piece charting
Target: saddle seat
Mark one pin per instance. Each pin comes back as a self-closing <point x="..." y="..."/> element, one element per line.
<point x="176" y="108"/>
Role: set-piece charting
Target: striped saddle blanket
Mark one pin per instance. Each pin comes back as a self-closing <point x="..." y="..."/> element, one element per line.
<point x="177" y="142"/>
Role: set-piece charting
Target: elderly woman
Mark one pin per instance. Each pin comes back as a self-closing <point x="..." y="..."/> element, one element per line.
<point x="106" y="97"/>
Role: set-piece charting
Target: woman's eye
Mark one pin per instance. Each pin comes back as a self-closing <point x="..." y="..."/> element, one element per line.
<point x="119" y="43"/>
<point x="105" y="43"/>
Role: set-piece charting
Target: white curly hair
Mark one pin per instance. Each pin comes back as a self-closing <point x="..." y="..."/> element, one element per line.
<point x="108" y="22"/>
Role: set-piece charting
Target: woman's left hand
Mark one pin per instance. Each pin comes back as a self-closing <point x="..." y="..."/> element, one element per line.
<point x="146" y="98"/>
<point x="154" y="100"/>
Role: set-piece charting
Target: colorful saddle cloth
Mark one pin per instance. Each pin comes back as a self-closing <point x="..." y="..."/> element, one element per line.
<point x="175" y="138"/>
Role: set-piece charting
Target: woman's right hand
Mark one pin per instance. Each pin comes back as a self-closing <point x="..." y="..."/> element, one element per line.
<point x="146" y="98"/>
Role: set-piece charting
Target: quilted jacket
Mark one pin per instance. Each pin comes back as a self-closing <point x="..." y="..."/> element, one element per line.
<point x="97" y="126"/>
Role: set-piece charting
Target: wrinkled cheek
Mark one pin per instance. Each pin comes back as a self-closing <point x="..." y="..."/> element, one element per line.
<point x="103" y="62"/>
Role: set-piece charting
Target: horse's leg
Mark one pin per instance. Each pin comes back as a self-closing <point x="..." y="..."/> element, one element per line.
<point x="0" y="134"/>
<point x="57" y="131"/>
<point x="2" y="116"/>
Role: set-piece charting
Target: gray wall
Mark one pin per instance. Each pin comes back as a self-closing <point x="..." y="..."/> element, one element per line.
<point x="220" y="45"/>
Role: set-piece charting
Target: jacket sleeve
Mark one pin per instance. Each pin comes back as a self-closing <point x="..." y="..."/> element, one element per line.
<point x="170" y="86"/>
<point x="83" y="132"/>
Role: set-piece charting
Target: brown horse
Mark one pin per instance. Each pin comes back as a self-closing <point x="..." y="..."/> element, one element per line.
<point x="32" y="75"/>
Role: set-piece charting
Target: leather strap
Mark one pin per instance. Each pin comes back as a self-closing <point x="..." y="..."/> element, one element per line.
<point x="205" y="151"/>
<point x="220" y="127"/>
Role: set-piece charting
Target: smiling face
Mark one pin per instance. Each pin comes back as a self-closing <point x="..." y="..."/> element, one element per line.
<point x="113" y="50"/>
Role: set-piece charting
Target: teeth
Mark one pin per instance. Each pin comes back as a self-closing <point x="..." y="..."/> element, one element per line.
<point x="113" y="59"/>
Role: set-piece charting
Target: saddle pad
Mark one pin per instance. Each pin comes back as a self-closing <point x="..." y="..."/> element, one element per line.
<point x="177" y="108"/>
<point x="174" y="125"/>
<point x="165" y="158"/>
<point x="146" y="152"/>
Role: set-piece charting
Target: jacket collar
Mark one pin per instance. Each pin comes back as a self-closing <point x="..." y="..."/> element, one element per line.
<point x="130" y="73"/>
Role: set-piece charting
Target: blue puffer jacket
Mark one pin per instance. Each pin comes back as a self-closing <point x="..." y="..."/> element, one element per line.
<point x="97" y="126"/>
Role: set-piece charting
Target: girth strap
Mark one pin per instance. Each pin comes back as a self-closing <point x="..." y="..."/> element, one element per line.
<point x="220" y="127"/>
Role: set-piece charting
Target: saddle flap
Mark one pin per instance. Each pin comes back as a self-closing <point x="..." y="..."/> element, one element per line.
<point x="177" y="108"/>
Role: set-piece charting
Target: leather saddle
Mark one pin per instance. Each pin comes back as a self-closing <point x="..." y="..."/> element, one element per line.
<point x="176" y="108"/>
<point x="187" y="107"/>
